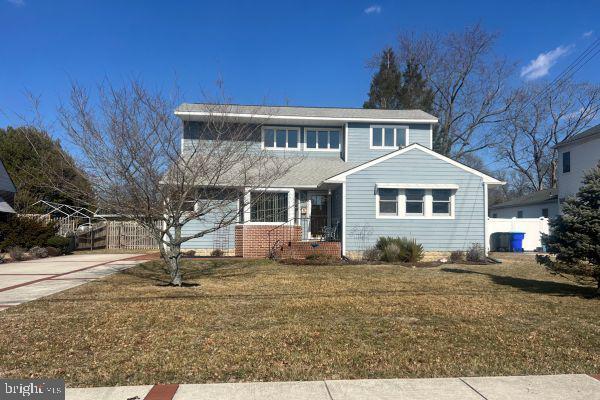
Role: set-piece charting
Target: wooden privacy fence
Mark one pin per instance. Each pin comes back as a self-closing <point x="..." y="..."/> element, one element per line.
<point x="115" y="235"/>
<point x="128" y="235"/>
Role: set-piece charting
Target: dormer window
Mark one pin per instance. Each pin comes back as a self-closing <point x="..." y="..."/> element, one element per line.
<point x="324" y="139"/>
<point x="389" y="137"/>
<point x="279" y="138"/>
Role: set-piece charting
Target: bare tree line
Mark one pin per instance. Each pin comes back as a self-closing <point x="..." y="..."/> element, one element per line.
<point x="483" y="111"/>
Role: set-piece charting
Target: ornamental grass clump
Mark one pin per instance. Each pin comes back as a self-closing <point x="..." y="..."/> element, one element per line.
<point x="395" y="249"/>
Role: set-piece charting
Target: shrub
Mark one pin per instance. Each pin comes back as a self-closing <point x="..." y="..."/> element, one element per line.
<point x="25" y="232"/>
<point x="38" y="252"/>
<point x="475" y="253"/>
<point x="372" y="254"/>
<point x="457" y="256"/>
<point x="17" y="253"/>
<point x="64" y="244"/>
<point x="392" y="253"/>
<point x="188" y="253"/>
<point x="217" y="253"/>
<point x="399" y="249"/>
<point x="53" y="251"/>
<point x="414" y="251"/>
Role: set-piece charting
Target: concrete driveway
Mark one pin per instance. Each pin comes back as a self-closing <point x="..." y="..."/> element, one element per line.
<point x="29" y="280"/>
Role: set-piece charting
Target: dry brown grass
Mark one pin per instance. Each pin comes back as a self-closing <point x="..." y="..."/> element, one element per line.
<point x="250" y="321"/>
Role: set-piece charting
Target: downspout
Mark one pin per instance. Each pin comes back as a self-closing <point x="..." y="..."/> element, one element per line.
<point x="485" y="219"/>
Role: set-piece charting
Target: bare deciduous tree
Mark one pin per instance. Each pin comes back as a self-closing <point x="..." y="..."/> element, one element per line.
<point x="537" y="122"/>
<point x="129" y="144"/>
<point x="469" y="84"/>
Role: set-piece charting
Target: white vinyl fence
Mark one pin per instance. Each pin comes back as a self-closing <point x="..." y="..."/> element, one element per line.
<point x="532" y="227"/>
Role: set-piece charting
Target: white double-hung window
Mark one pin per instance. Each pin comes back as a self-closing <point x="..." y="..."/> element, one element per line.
<point x="324" y="139"/>
<point x="280" y="138"/>
<point x="388" y="137"/>
<point x="434" y="201"/>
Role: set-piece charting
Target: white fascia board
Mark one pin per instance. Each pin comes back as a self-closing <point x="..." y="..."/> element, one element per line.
<point x="416" y="186"/>
<point x="415" y="146"/>
<point x="299" y="118"/>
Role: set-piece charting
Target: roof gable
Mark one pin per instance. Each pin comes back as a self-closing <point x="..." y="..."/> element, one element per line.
<point x="413" y="147"/>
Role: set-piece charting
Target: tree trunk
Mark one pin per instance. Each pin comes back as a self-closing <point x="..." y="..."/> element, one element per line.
<point x="174" y="267"/>
<point x="172" y="256"/>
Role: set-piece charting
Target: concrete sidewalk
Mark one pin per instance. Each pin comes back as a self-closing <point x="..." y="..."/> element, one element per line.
<point x="29" y="280"/>
<point x="546" y="387"/>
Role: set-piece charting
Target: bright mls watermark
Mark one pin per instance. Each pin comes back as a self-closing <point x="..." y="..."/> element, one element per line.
<point x="33" y="389"/>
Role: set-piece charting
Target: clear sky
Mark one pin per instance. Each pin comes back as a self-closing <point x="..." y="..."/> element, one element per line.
<point x="279" y="52"/>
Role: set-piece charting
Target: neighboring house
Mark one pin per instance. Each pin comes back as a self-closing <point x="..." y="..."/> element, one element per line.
<point x="365" y="174"/>
<point x="543" y="203"/>
<point x="7" y="193"/>
<point x="576" y="156"/>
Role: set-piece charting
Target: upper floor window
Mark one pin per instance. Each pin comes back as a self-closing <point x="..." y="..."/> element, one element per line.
<point x="520" y="214"/>
<point x="389" y="137"/>
<point x="281" y="138"/>
<point x="322" y="139"/>
<point x="566" y="161"/>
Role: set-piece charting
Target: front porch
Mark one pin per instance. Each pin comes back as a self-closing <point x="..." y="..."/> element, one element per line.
<point x="291" y="225"/>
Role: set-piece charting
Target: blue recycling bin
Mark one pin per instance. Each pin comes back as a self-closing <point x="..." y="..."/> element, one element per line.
<point x="516" y="241"/>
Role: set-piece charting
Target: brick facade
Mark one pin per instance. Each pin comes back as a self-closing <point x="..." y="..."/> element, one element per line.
<point x="255" y="241"/>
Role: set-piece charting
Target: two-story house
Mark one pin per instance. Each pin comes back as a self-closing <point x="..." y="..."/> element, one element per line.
<point x="364" y="174"/>
<point x="576" y="156"/>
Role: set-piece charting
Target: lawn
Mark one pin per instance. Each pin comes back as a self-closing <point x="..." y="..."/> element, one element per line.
<point x="258" y="321"/>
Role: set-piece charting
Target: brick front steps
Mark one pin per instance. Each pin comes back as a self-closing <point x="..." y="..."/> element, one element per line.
<point x="258" y="241"/>
<point x="301" y="250"/>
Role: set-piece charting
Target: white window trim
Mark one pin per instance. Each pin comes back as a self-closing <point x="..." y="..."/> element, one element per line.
<point x="286" y="148"/>
<point x="427" y="205"/>
<point x="311" y="128"/>
<point x="383" y="147"/>
<point x="291" y="205"/>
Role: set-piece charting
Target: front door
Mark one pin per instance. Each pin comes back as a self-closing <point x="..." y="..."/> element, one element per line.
<point x="318" y="214"/>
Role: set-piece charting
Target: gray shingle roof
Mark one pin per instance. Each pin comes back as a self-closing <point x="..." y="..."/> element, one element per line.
<point x="307" y="112"/>
<point x="541" y="196"/>
<point x="593" y="131"/>
<point x="313" y="171"/>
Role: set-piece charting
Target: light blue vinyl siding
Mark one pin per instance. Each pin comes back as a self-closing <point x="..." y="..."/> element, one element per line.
<point x="421" y="134"/>
<point x="193" y="135"/>
<point x="359" y="137"/>
<point x="415" y="166"/>
<point x="224" y="238"/>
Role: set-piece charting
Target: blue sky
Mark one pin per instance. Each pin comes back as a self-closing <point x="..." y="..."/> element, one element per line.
<point x="300" y="53"/>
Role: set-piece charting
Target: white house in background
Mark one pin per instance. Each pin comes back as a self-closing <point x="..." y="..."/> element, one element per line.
<point x="576" y="156"/>
<point x="7" y="193"/>
<point x="543" y="203"/>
